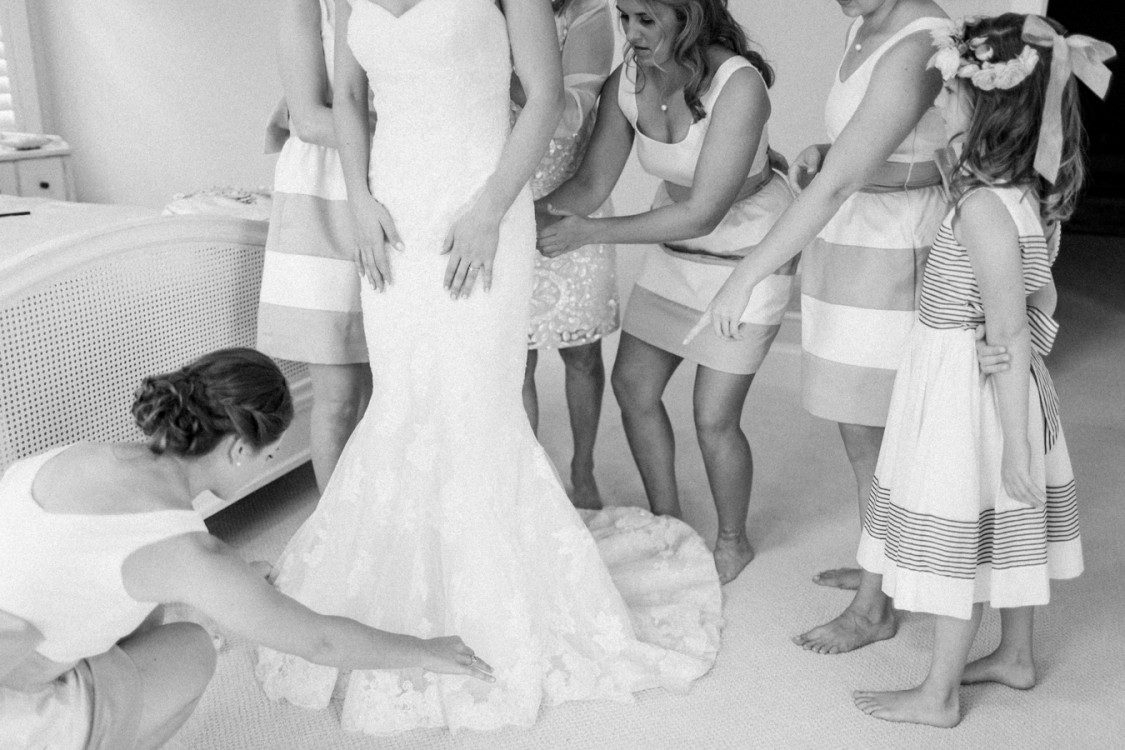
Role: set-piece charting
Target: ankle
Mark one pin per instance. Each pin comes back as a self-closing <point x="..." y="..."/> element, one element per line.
<point x="582" y="470"/>
<point x="735" y="536"/>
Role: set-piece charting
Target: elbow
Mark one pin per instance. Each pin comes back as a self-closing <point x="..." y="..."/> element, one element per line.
<point x="320" y="650"/>
<point x="702" y="220"/>
<point x="302" y="128"/>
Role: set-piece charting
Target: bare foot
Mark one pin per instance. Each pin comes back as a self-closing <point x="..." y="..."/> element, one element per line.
<point x="732" y="554"/>
<point x="913" y="706"/>
<point x="838" y="578"/>
<point x="997" y="667"/>
<point x="849" y="631"/>
<point x="584" y="492"/>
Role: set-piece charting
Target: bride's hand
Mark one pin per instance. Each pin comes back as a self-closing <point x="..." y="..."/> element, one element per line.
<point x="450" y="655"/>
<point x="471" y="247"/>
<point x="374" y="231"/>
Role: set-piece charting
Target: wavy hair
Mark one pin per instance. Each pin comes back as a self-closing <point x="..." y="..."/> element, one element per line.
<point x="1003" y="132"/>
<point x="702" y="23"/>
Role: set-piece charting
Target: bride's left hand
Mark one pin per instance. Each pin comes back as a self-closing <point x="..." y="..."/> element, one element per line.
<point x="565" y="235"/>
<point x="471" y="247"/>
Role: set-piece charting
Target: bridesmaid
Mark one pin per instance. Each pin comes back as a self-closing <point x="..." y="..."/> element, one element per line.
<point x="574" y="303"/>
<point x="96" y="536"/>
<point x="870" y="205"/>
<point x="309" y="307"/>
<point x="694" y="96"/>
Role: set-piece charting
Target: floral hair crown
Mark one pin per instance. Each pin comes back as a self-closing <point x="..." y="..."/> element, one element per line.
<point x="1077" y="55"/>
<point x="972" y="59"/>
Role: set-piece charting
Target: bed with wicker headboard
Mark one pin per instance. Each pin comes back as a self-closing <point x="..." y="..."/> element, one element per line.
<point x="86" y="312"/>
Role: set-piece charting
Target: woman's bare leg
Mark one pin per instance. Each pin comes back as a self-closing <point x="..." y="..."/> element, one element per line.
<point x="339" y="392"/>
<point x="176" y="662"/>
<point x="640" y="374"/>
<point x="718" y="399"/>
<point x="861" y="443"/>
<point x="585" y="385"/>
<point x="530" y="395"/>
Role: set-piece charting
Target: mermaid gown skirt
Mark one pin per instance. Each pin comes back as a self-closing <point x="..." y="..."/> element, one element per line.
<point x="444" y="515"/>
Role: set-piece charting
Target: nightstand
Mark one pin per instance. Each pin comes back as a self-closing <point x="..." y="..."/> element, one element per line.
<point x="43" y="172"/>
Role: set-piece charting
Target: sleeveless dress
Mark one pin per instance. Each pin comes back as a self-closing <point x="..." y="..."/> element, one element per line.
<point x="574" y="301"/>
<point x="679" y="280"/>
<point x="859" y="277"/>
<point x="939" y="526"/>
<point x="444" y="515"/>
<point x="309" y="308"/>
<point x="62" y="574"/>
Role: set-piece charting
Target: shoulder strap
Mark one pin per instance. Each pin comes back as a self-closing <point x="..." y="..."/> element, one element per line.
<point x="918" y="24"/>
<point x="720" y="77"/>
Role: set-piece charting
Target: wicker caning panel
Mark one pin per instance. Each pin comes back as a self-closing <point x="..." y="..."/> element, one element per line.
<point x="75" y="349"/>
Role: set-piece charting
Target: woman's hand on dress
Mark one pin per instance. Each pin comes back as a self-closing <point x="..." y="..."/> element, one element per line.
<point x="568" y="233"/>
<point x="450" y="655"/>
<point x="724" y="313"/>
<point x="804" y="167"/>
<point x="471" y="247"/>
<point x="991" y="359"/>
<point x="1015" y="472"/>
<point x="375" y="229"/>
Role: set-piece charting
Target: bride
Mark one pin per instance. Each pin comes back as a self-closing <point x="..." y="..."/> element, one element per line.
<point x="444" y="513"/>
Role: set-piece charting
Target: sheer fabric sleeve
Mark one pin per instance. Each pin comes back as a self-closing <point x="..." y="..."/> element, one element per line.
<point x="587" y="58"/>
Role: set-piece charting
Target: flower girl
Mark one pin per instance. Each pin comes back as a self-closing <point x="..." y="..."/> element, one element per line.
<point x="974" y="497"/>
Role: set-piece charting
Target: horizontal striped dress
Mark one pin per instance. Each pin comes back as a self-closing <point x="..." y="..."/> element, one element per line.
<point x="939" y="526"/>
<point x="679" y="279"/>
<point x="859" y="276"/>
<point x="309" y="310"/>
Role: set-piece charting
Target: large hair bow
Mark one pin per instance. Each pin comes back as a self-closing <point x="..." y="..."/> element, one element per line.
<point x="1080" y="55"/>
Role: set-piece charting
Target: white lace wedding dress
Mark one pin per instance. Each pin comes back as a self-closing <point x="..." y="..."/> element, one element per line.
<point x="444" y="515"/>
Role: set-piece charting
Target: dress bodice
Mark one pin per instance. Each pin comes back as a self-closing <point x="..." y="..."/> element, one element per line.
<point x="676" y="162"/>
<point x="62" y="571"/>
<point x="845" y="96"/>
<point x="951" y="296"/>
<point x="437" y="58"/>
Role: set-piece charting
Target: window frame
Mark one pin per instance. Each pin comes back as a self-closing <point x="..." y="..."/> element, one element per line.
<point x="21" y="66"/>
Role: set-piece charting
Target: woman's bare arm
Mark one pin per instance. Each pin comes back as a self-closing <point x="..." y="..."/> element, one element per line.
<point x="199" y="570"/>
<point x="304" y="77"/>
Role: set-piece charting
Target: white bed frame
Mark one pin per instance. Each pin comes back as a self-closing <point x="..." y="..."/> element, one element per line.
<point x="84" y="317"/>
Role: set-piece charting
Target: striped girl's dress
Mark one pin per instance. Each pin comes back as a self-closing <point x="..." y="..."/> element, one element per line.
<point x="309" y="310"/>
<point x="939" y="526"/>
<point x="859" y="276"/>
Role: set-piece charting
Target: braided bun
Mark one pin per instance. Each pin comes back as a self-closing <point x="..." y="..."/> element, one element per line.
<point x="231" y="391"/>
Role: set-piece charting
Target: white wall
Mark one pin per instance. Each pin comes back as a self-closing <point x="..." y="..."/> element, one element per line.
<point x="158" y="96"/>
<point x="165" y="96"/>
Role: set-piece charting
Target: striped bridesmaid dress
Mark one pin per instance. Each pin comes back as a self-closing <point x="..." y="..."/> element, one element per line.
<point x="680" y="279"/>
<point x="939" y="526"/>
<point x="309" y="306"/>
<point x="859" y="276"/>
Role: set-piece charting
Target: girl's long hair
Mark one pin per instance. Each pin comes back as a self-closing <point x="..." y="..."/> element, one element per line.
<point x="703" y="23"/>
<point x="1003" y="132"/>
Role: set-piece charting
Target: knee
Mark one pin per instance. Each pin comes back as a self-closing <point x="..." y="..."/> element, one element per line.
<point x="629" y="388"/>
<point x="197" y="655"/>
<point x="583" y="360"/>
<point x="714" y="423"/>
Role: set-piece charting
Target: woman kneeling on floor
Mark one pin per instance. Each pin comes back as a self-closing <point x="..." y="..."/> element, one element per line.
<point x="97" y="536"/>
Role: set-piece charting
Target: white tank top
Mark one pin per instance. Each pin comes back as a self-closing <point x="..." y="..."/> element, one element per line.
<point x="61" y="572"/>
<point x="844" y="98"/>
<point x="675" y="162"/>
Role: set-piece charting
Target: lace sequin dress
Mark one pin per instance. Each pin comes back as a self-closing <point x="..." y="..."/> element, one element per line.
<point x="574" y="301"/>
<point x="444" y="514"/>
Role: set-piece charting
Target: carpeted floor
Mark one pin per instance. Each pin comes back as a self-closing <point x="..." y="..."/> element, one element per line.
<point x="764" y="691"/>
